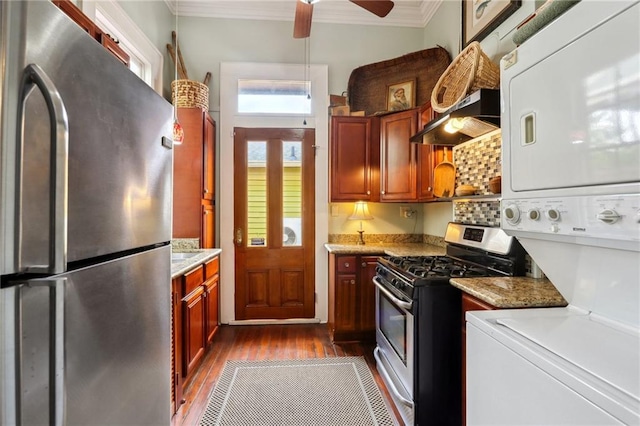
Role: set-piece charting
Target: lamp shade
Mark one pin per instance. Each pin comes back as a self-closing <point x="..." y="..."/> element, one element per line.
<point x="360" y="211"/>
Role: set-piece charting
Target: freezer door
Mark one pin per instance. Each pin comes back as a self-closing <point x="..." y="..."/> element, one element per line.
<point x="99" y="336"/>
<point x="119" y="172"/>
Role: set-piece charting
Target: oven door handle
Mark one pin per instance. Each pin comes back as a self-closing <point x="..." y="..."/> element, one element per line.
<point x="391" y="387"/>
<point x="398" y="302"/>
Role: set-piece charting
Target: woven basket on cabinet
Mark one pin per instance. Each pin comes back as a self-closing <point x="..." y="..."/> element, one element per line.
<point x="470" y="70"/>
<point x="189" y="94"/>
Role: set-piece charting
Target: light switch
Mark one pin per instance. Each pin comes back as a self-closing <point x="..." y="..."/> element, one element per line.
<point x="335" y="210"/>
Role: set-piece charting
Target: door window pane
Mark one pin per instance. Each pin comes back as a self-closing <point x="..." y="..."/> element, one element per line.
<point x="292" y="193"/>
<point x="257" y="194"/>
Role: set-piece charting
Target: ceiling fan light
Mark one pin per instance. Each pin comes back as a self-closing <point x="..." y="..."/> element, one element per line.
<point x="309" y="1"/>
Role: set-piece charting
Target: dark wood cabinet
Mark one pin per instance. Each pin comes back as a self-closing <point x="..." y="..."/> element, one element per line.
<point x="212" y="298"/>
<point x="354" y="159"/>
<point x="352" y="297"/>
<point x="112" y="46"/>
<point x="208" y="225"/>
<point x="193" y="308"/>
<point x="194" y="322"/>
<point x="469" y="303"/>
<point x="373" y="159"/>
<point x="74" y="12"/>
<point x="176" y="344"/>
<point x="194" y="178"/>
<point x="426" y="157"/>
<point x="398" y="157"/>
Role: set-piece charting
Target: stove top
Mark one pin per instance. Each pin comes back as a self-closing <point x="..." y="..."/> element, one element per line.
<point x="420" y="269"/>
<point x="471" y="251"/>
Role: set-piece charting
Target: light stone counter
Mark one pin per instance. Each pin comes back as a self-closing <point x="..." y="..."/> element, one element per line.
<point x="389" y="249"/>
<point x="186" y="265"/>
<point x="511" y="292"/>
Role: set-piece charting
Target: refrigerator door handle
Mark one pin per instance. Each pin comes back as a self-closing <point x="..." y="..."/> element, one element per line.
<point x="34" y="76"/>
<point x="57" y="395"/>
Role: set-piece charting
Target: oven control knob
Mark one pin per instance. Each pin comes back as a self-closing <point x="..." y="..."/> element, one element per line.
<point x="512" y="214"/>
<point x="609" y="216"/>
<point x="553" y="215"/>
<point x="534" y="214"/>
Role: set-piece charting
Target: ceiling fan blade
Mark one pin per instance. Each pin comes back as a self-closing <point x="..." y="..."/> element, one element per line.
<point x="302" y="21"/>
<point x="377" y="7"/>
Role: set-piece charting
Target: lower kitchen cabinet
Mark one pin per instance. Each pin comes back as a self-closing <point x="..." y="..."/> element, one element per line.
<point x="193" y="306"/>
<point x="195" y="312"/>
<point x="212" y="299"/>
<point x="352" y="297"/>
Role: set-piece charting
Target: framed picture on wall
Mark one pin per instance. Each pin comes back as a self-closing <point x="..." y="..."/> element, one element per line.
<point x="481" y="17"/>
<point x="401" y="96"/>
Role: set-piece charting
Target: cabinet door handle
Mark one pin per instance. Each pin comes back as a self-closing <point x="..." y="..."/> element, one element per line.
<point x="206" y="191"/>
<point x="382" y="192"/>
<point x="364" y="264"/>
<point x="346" y="264"/>
<point x="368" y="192"/>
<point x="353" y="281"/>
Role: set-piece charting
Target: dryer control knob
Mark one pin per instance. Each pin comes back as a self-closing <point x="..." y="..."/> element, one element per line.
<point x="553" y="215"/>
<point x="609" y="216"/>
<point x="512" y="214"/>
<point x="534" y="214"/>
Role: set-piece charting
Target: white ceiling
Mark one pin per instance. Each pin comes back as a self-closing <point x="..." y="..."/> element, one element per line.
<point x="406" y="13"/>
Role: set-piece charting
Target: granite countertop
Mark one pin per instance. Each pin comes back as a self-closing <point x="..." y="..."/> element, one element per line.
<point x="185" y="265"/>
<point x="512" y="292"/>
<point x="390" y="249"/>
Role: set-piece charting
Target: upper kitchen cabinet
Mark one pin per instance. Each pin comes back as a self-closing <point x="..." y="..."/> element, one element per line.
<point x="193" y="178"/>
<point x="74" y="12"/>
<point x="398" y="157"/>
<point x="426" y="157"/>
<point x="354" y="159"/>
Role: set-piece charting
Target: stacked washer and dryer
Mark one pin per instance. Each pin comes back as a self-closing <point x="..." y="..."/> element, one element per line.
<point x="571" y="195"/>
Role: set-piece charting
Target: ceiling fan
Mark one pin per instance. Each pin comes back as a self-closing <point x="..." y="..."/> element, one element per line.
<point x="304" y="11"/>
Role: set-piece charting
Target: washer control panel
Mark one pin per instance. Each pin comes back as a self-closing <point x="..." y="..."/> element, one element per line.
<point x="607" y="216"/>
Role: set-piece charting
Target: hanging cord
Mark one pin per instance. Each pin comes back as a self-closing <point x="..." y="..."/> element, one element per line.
<point x="307" y="59"/>
<point x="178" y="131"/>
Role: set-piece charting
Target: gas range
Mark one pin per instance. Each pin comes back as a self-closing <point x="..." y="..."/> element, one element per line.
<point x="418" y="333"/>
<point x="471" y="251"/>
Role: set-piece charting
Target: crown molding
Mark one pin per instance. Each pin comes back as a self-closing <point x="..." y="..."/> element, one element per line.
<point x="406" y="13"/>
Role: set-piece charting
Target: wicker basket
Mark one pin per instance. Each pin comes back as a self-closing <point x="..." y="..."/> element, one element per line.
<point x="189" y="94"/>
<point x="470" y="70"/>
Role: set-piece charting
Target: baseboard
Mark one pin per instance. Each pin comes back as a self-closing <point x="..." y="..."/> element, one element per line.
<point x="276" y="321"/>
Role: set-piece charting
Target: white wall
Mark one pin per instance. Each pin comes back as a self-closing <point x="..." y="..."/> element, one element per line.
<point x="386" y="219"/>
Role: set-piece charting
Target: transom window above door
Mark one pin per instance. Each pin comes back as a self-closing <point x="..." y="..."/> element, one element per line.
<point x="274" y="96"/>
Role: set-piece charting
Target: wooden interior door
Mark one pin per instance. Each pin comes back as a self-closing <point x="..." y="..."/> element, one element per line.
<point x="274" y="216"/>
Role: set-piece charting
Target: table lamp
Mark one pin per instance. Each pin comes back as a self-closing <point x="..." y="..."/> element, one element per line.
<point x="360" y="212"/>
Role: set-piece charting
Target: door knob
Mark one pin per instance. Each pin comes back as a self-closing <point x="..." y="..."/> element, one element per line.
<point x="238" y="240"/>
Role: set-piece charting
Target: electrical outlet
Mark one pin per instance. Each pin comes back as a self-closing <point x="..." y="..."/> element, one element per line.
<point x="406" y="212"/>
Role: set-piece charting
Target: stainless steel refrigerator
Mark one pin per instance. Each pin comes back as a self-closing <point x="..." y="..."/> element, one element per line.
<point x="85" y="226"/>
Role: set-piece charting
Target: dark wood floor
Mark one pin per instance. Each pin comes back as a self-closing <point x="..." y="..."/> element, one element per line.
<point x="264" y="342"/>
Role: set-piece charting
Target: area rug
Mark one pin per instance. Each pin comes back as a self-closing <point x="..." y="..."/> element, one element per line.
<point x="319" y="391"/>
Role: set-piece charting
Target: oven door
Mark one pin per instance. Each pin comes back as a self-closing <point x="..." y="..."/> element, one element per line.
<point x="395" y="347"/>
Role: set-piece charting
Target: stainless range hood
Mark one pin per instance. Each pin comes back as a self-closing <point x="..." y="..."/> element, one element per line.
<point x="475" y="115"/>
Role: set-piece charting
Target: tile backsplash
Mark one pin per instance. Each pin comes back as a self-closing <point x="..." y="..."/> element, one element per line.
<point x="476" y="162"/>
<point x="477" y="212"/>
